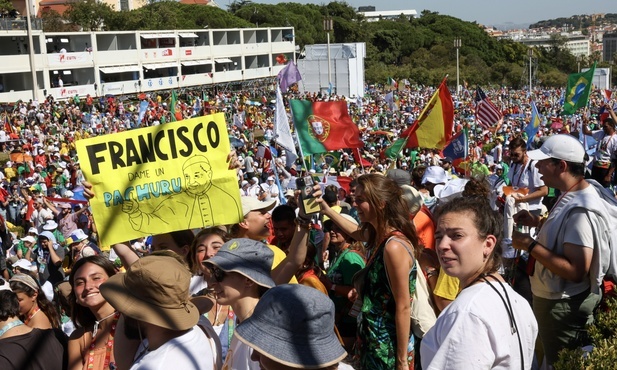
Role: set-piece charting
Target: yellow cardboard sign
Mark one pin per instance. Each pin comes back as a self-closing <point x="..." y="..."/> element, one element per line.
<point x="160" y="179"/>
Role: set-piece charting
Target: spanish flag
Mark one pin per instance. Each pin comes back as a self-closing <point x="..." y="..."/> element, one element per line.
<point x="433" y="128"/>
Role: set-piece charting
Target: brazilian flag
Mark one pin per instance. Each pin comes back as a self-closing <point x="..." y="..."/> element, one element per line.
<point x="577" y="92"/>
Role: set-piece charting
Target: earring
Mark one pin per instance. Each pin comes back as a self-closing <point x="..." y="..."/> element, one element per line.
<point x="485" y="257"/>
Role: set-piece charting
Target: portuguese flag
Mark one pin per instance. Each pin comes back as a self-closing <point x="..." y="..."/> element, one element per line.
<point x="433" y="128"/>
<point x="324" y="126"/>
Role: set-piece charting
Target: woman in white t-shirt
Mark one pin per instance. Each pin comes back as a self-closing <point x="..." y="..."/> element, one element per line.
<point x="487" y="309"/>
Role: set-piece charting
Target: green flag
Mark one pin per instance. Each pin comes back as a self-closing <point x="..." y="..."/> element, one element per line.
<point x="172" y="108"/>
<point x="393" y="150"/>
<point x="331" y="159"/>
<point x="577" y="92"/>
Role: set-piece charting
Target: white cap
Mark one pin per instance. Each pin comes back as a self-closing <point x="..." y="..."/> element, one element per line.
<point x="563" y="146"/>
<point x="434" y="175"/>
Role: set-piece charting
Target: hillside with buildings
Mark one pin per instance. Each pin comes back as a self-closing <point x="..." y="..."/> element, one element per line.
<point x="590" y="36"/>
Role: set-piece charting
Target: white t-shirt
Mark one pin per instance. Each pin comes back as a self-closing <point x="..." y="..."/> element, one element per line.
<point x="606" y="149"/>
<point x="577" y="230"/>
<point x="188" y="351"/>
<point x="239" y="357"/>
<point x="528" y="177"/>
<point x="198" y="283"/>
<point x="474" y="332"/>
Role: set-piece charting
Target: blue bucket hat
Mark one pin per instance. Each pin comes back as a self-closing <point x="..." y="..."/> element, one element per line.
<point x="293" y="324"/>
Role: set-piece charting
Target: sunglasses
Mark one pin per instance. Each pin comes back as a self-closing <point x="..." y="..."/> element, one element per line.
<point x="217" y="273"/>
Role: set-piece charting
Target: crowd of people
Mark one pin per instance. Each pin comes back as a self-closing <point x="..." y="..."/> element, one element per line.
<point x="407" y="258"/>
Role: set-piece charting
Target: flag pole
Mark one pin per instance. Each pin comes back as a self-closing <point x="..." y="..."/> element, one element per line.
<point x="295" y="133"/>
<point x="421" y="118"/>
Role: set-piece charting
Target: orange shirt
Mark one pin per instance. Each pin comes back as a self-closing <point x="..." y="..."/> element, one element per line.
<point x="425" y="228"/>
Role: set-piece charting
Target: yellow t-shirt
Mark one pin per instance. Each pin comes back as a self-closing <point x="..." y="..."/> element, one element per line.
<point x="279" y="256"/>
<point x="447" y="286"/>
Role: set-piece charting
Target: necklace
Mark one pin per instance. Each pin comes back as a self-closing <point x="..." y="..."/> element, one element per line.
<point x="10" y="326"/>
<point x="31" y="315"/>
<point x="96" y="323"/>
<point x="108" y="345"/>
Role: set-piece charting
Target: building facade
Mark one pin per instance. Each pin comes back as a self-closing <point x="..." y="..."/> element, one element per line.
<point x="101" y="63"/>
<point x="609" y="46"/>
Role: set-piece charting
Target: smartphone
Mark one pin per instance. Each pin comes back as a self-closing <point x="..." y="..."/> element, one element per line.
<point x="308" y="204"/>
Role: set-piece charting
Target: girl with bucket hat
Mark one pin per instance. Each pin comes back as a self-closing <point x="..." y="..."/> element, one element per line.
<point x="239" y="275"/>
<point x="292" y="327"/>
<point x="91" y="345"/>
<point x="153" y="298"/>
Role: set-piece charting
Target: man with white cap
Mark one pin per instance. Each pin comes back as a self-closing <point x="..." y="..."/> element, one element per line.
<point x="272" y="189"/>
<point x="254" y="188"/>
<point x="571" y="250"/>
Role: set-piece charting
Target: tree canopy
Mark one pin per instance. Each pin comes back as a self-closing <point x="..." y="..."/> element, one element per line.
<point x="420" y="50"/>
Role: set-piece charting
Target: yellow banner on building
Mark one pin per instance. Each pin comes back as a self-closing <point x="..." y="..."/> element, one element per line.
<point x="160" y="179"/>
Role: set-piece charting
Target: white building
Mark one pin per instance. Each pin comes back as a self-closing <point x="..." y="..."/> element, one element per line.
<point x="577" y="43"/>
<point x="346" y="69"/>
<point x="127" y="62"/>
<point x="374" y="16"/>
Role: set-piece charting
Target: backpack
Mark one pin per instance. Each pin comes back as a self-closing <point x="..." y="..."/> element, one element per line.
<point x="604" y="261"/>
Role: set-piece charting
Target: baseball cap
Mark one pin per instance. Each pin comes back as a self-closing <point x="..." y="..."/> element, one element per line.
<point x="76" y="236"/>
<point x="401" y="177"/>
<point x="250" y="204"/>
<point x="412" y="197"/>
<point x="434" y="175"/>
<point x="29" y="239"/>
<point x="562" y="146"/>
<point x="247" y="257"/>
<point x="293" y="324"/>
<point x="23" y="264"/>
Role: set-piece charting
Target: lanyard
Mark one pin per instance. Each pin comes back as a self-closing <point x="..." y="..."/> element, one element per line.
<point x="108" y="345"/>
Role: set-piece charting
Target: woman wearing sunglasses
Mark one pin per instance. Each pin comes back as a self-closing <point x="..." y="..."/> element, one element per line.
<point x="239" y="274"/>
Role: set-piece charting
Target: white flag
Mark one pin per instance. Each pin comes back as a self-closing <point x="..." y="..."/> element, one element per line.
<point x="281" y="129"/>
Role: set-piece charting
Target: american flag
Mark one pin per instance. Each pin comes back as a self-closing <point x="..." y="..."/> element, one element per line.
<point x="487" y="113"/>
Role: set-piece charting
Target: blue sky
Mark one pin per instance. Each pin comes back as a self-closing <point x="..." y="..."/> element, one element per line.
<point x="488" y="12"/>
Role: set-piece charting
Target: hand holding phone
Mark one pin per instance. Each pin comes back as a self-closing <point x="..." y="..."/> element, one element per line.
<point x="308" y="203"/>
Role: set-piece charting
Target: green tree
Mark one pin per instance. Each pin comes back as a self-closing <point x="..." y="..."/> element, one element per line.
<point x="53" y="22"/>
<point x="6" y="6"/>
<point x="90" y="15"/>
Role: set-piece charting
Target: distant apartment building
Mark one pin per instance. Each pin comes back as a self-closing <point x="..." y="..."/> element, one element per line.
<point x="374" y="16"/>
<point x="609" y="46"/>
<point x="577" y="43"/>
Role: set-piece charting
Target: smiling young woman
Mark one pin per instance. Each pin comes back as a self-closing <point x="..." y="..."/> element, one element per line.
<point x="91" y="344"/>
